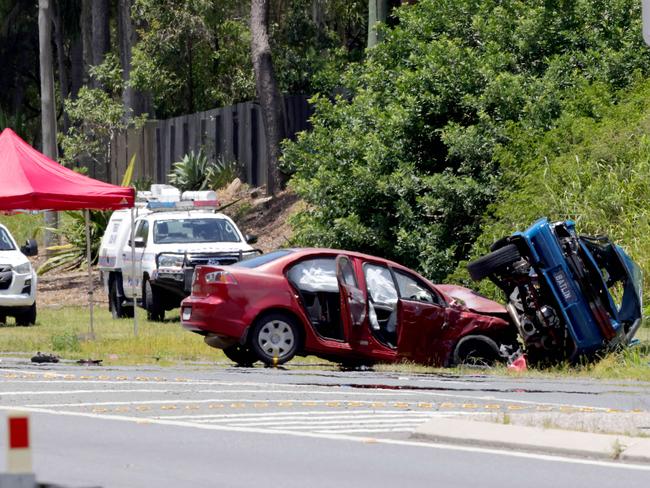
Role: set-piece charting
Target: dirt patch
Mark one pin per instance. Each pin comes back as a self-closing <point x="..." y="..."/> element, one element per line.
<point x="62" y="289"/>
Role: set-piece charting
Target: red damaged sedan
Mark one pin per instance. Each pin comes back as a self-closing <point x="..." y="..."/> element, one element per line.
<point x="343" y="306"/>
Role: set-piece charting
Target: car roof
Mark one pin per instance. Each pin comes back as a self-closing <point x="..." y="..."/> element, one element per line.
<point x="304" y="252"/>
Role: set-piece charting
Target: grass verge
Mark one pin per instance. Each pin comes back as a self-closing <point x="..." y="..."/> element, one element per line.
<point x="64" y="331"/>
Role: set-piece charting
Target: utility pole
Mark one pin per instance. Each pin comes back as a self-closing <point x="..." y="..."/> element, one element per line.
<point x="48" y="118"/>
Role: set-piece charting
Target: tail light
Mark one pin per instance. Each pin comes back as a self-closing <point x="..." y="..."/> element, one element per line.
<point x="205" y="277"/>
<point x="220" y="277"/>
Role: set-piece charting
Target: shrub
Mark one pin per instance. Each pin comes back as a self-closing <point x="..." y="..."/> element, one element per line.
<point x="406" y="165"/>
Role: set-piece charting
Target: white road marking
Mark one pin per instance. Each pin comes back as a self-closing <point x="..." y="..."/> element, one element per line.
<point x="343" y="437"/>
<point x="312" y="413"/>
<point x="75" y="392"/>
<point x="329" y="390"/>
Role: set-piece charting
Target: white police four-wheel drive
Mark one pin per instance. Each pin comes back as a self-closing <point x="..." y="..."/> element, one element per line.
<point x="17" y="280"/>
<point x="172" y="236"/>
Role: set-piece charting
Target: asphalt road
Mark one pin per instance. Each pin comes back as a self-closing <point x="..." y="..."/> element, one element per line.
<point x="297" y="427"/>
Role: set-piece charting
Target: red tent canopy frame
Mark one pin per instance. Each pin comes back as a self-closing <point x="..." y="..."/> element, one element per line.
<point x="29" y="180"/>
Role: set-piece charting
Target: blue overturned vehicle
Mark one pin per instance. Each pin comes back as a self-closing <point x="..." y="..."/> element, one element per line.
<point x="571" y="297"/>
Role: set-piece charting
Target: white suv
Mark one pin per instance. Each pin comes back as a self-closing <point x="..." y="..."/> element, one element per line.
<point x="17" y="280"/>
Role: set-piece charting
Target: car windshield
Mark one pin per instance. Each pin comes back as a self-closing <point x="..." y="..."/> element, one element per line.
<point x="194" y="231"/>
<point x="263" y="259"/>
<point x="5" y="241"/>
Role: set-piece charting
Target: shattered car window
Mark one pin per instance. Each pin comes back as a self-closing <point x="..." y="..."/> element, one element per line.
<point x="315" y="275"/>
<point x="380" y="284"/>
<point x="411" y="289"/>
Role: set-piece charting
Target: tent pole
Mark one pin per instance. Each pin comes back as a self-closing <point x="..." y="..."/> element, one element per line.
<point x="133" y="287"/>
<point x="90" y="273"/>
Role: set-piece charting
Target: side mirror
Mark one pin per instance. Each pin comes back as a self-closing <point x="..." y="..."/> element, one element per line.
<point x="139" y="242"/>
<point x="30" y="248"/>
<point x="250" y="239"/>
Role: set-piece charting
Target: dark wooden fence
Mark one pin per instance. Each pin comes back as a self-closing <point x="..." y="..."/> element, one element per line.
<point x="234" y="133"/>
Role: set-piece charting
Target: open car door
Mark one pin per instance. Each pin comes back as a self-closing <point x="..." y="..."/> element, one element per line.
<point x="353" y="299"/>
<point x="421" y="320"/>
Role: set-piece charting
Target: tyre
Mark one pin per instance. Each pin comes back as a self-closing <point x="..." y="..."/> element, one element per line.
<point x="477" y="350"/>
<point x="242" y="355"/>
<point x="28" y="317"/>
<point x="495" y="261"/>
<point x="118" y="310"/>
<point x="274" y="338"/>
<point x="153" y="303"/>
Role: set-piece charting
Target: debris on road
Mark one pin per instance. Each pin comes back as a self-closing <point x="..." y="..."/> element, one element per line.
<point x="45" y="358"/>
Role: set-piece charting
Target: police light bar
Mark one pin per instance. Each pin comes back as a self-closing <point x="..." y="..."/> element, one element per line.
<point x="184" y="205"/>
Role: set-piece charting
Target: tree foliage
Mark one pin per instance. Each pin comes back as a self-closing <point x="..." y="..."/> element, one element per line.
<point x="406" y="166"/>
<point x="593" y="168"/>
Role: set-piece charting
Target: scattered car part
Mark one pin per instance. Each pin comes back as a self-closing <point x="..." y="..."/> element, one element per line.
<point x="45" y="358"/>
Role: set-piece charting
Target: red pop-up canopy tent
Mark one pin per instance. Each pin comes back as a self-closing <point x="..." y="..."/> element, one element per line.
<point x="30" y="180"/>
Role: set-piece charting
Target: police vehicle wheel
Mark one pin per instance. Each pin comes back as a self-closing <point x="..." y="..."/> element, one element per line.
<point x="28" y="317"/>
<point x="152" y="303"/>
<point x="118" y="310"/>
<point x="495" y="261"/>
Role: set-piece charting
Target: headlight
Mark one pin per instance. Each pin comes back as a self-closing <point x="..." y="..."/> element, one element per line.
<point x="170" y="261"/>
<point x="23" y="268"/>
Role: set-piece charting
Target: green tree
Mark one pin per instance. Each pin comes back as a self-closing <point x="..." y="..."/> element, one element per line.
<point x="405" y="165"/>
<point x="192" y="55"/>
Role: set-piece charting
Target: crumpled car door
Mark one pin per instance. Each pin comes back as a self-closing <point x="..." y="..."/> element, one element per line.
<point x="419" y="331"/>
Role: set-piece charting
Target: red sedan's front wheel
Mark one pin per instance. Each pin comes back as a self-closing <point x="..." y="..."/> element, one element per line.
<point x="274" y="338"/>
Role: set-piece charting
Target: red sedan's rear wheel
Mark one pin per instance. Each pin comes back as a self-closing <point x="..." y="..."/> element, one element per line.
<point x="274" y="338"/>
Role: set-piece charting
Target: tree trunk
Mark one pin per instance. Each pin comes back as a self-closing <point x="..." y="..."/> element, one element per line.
<point x="267" y="91"/>
<point x="377" y="12"/>
<point x="135" y="102"/>
<point x="86" y="24"/>
<point x="61" y="57"/>
<point x="76" y="67"/>
<point x="48" y="120"/>
<point x="101" y="40"/>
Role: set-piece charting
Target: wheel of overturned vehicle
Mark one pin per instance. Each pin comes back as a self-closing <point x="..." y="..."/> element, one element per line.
<point x="118" y="310"/>
<point x="493" y="262"/>
<point x="274" y="338"/>
<point x="153" y="303"/>
<point x="477" y="350"/>
<point x="242" y="355"/>
<point x="28" y="317"/>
